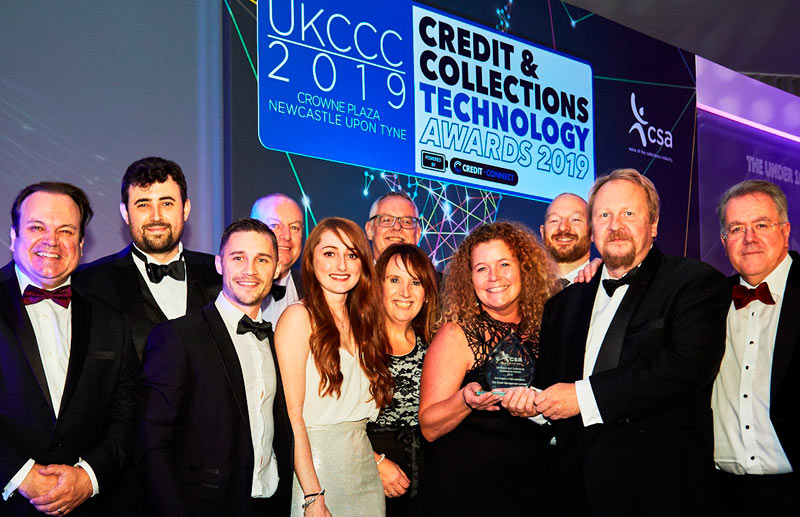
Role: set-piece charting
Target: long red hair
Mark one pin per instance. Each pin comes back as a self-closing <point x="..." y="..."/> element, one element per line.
<point x="363" y="309"/>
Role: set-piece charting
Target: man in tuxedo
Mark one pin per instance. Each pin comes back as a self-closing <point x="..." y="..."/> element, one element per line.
<point x="285" y="218"/>
<point x="68" y="370"/>
<point x="214" y="435"/>
<point x="756" y="418"/>
<point x="565" y="233"/>
<point x="154" y="278"/>
<point x="628" y="367"/>
<point x="393" y="218"/>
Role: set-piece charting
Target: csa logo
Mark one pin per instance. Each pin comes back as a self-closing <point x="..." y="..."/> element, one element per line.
<point x="647" y="132"/>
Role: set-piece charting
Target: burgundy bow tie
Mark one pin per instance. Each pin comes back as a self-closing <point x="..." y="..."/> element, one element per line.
<point x="61" y="296"/>
<point x="742" y="296"/>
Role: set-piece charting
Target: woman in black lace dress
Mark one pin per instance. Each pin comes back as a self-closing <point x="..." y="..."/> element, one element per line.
<point x="410" y="300"/>
<point x="483" y="461"/>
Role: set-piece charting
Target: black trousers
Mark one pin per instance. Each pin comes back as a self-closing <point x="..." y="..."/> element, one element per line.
<point x="750" y="495"/>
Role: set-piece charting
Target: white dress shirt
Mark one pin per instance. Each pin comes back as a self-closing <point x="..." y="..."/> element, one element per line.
<point x="745" y="441"/>
<point x="603" y="311"/>
<point x="260" y="384"/>
<point x="272" y="309"/>
<point x="52" y="326"/>
<point x="170" y="294"/>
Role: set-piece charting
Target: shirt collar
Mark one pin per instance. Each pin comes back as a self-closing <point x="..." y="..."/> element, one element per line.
<point x="776" y="280"/>
<point x="230" y="313"/>
<point x="24" y="281"/>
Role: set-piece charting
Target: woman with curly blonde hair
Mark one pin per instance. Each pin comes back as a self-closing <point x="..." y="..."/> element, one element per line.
<point x="497" y="283"/>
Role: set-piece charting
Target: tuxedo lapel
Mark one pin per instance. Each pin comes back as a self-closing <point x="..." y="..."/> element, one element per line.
<point x="230" y="361"/>
<point x="18" y="322"/>
<point x="79" y="345"/>
<point x="610" y="350"/>
<point x="581" y="321"/>
<point x="788" y="326"/>
<point x="134" y="298"/>
<point x="298" y="283"/>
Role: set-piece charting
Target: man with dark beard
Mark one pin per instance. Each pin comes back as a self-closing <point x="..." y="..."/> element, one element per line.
<point x="565" y="234"/>
<point x="153" y="279"/>
<point x="628" y="368"/>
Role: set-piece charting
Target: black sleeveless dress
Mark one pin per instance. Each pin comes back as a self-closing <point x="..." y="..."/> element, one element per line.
<point x="492" y="464"/>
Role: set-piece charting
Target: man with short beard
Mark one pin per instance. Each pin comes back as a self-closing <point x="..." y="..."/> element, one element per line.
<point x="628" y="368"/>
<point x="154" y="278"/>
<point x="565" y="233"/>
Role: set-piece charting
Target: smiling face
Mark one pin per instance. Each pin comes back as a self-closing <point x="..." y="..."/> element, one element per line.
<point x="496" y="279"/>
<point x="285" y="219"/>
<point x="403" y="294"/>
<point x="155" y="216"/>
<point x="248" y="265"/>
<point x="337" y="266"/>
<point x="755" y="256"/>
<point x="565" y="231"/>
<point x="382" y="237"/>
<point x="621" y="226"/>
<point x="48" y="246"/>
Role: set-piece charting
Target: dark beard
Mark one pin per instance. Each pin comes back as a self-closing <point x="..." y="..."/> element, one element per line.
<point x="163" y="245"/>
<point x="620" y="261"/>
<point x="575" y="252"/>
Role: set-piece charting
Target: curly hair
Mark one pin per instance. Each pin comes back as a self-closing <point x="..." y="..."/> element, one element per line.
<point x="538" y="275"/>
<point x="366" y="316"/>
<point x="418" y="266"/>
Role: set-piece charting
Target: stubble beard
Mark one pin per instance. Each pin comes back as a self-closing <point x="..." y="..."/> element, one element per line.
<point x="163" y="244"/>
<point x="577" y="250"/>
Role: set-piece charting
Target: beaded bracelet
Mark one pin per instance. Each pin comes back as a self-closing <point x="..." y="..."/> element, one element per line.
<point x="383" y="457"/>
<point x="313" y="498"/>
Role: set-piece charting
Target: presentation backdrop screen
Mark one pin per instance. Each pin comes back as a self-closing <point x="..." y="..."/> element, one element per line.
<point x="479" y="111"/>
<point x="730" y="152"/>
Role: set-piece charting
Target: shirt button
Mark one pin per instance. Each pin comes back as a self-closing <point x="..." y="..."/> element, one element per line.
<point x="747" y="427"/>
<point x="752" y="457"/>
<point x="745" y="395"/>
<point x="747" y="367"/>
<point x="751" y="342"/>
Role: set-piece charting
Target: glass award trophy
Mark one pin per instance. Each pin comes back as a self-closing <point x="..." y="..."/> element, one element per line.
<point x="509" y="365"/>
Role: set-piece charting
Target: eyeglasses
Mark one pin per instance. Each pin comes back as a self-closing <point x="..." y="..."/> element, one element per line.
<point x="387" y="221"/>
<point x="738" y="231"/>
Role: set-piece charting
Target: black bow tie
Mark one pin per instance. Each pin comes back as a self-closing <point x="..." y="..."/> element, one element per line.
<point x="611" y="285"/>
<point x="278" y="291"/>
<point x="157" y="272"/>
<point x="260" y="329"/>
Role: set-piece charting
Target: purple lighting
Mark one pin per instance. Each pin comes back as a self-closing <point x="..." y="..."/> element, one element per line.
<point x="734" y="96"/>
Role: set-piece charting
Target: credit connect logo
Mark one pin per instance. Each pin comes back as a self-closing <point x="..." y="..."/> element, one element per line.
<point x="648" y="133"/>
<point x="484" y="172"/>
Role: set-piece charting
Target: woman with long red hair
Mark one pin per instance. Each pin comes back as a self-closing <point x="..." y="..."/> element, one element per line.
<point x="333" y="359"/>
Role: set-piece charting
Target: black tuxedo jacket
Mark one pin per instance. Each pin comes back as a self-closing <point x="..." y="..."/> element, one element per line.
<point x="194" y="450"/>
<point x="95" y="419"/>
<point x="298" y="283"/>
<point x="785" y="381"/>
<point x="116" y="280"/>
<point x="654" y="450"/>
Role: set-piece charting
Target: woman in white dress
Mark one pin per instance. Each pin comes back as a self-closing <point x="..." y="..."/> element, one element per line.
<point x="333" y="360"/>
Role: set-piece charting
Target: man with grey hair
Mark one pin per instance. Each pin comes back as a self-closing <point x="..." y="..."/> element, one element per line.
<point x="756" y="421"/>
<point x="285" y="218"/>
<point x="393" y="218"/>
<point x="627" y="361"/>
